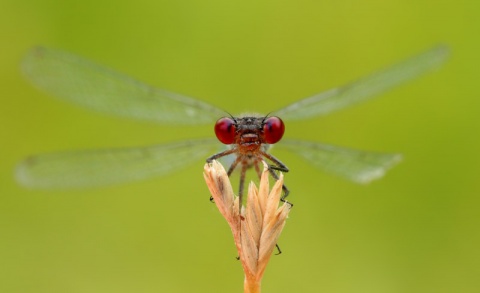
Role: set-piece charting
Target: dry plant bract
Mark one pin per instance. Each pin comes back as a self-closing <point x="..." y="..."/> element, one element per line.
<point x="257" y="228"/>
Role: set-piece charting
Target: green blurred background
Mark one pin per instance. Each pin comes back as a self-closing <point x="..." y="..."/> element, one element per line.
<point x="417" y="230"/>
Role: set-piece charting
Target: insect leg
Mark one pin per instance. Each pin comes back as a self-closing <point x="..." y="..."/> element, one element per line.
<point x="285" y="189"/>
<point x="279" y="166"/>
<point x="241" y="187"/>
<point x="233" y="166"/>
<point x="257" y="168"/>
<point x="220" y="154"/>
<point x="279" y="251"/>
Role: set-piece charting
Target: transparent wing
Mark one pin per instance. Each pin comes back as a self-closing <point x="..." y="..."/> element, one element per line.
<point x="355" y="165"/>
<point x="104" y="167"/>
<point x="365" y="88"/>
<point x="72" y="78"/>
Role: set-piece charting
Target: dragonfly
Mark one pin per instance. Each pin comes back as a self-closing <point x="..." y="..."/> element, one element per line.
<point x="248" y="138"/>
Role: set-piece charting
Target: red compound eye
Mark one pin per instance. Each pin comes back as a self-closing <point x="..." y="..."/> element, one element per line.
<point x="225" y="130"/>
<point x="273" y="129"/>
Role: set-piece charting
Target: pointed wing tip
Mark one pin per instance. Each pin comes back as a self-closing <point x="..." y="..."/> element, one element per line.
<point x="436" y="56"/>
<point x="22" y="175"/>
<point x="30" y="58"/>
<point x="443" y="51"/>
<point x="25" y="174"/>
<point x="38" y="49"/>
<point x="380" y="171"/>
<point x="396" y="158"/>
<point x="29" y="174"/>
<point x="36" y="52"/>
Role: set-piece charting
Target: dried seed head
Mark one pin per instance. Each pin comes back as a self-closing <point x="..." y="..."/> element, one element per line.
<point x="257" y="230"/>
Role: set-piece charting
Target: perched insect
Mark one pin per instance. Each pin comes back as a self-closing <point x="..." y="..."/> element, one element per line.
<point x="250" y="137"/>
<point x="85" y="83"/>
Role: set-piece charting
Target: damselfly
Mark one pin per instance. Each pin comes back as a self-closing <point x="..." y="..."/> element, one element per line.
<point x="248" y="138"/>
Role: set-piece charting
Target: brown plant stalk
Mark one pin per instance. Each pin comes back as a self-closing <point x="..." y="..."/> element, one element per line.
<point x="257" y="229"/>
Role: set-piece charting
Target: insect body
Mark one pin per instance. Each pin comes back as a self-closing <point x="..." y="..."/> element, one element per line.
<point x="250" y="138"/>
